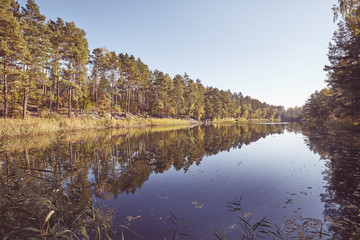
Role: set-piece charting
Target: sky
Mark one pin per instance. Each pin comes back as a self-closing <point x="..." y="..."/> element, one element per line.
<point x="274" y="50"/>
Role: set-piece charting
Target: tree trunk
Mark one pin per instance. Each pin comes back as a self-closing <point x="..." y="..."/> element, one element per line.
<point x="111" y="104"/>
<point x="95" y="86"/>
<point x="57" y="84"/>
<point x="50" y="105"/>
<point x="26" y="96"/>
<point x="126" y="100"/>
<point x="69" y="107"/>
<point x="134" y="104"/>
<point x="5" y="89"/>
<point x="112" y="96"/>
<point x="26" y="93"/>
<point x="57" y="94"/>
<point x="116" y="98"/>
<point x="146" y="101"/>
<point x="76" y="104"/>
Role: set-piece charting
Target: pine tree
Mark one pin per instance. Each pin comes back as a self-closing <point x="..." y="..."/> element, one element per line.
<point x="178" y="94"/>
<point x="112" y="66"/>
<point x="56" y="36"/>
<point x="199" y="111"/>
<point x="190" y="96"/>
<point x="344" y="57"/>
<point x="97" y="63"/>
<point x="143" y="85"/>
<point x="33" y="29"/>
<point x="76" y="53"/>
<point x="12" y="46"/>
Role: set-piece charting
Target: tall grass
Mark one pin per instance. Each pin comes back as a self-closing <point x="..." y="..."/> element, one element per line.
<point x="40" y="210"/>
<point x="40" y="126"/>
<point x="265" y="228"/>
<point x="256" y="120"/>
<point x="15" y="144"/>
<point x="29" y="126"/>
<point x="171" y="122"/>
<point x="243" y="120"/>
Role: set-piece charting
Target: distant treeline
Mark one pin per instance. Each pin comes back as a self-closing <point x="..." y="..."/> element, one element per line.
<point x="46" y="66"/>
<point x="341" y="100"/>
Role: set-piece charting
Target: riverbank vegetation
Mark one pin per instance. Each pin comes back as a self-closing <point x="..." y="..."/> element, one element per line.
<point x="35" y="126"/>
<point x="40" y="126"/>
<point x="47" y="68"/>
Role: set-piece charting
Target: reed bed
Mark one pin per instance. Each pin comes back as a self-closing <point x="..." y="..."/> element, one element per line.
<point x="15" y="144"/>
<point x="26" y="127"/>
<point x="10" y="128"/>
<point x="171" y="122"/>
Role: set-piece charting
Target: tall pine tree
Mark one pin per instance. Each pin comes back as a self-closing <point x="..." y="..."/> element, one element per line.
<point x="12" y="46"/>
<point x="344" y="57"/>
<point x="33" y="29"/>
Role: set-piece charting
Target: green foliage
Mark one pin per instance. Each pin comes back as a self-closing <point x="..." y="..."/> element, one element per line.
<point x="44" y="68"/>
<point x="13" y="53"/>
<point x="292" y="114"/>
<point x="37" y="42"/>
<point x="342" y="99"/>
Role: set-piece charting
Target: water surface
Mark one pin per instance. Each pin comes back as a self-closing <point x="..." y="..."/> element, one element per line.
<point x="178" y="183"/>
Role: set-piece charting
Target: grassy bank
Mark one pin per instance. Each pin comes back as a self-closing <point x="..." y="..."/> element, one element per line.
<point x="42" y="126"/>
<point x="258" y="120"/>
<point x="225" y="121"/>
<point x="46" y="140"/>
<point x="243" y="120"/>
<point x="39" y="126"/>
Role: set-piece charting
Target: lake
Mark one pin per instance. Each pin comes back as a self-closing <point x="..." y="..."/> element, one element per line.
<point x="184" y="183"/>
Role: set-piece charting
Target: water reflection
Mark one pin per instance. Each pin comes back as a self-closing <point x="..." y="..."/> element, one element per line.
<point x="340" y="145"/>
<point x="65" y="170"/>
<point x="63" y="173"/>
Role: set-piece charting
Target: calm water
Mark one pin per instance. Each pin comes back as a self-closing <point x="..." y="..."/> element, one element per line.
<point x="178" y="183"/>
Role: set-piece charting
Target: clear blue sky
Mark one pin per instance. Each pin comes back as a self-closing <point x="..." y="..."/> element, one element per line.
<point x="274" y="50"/>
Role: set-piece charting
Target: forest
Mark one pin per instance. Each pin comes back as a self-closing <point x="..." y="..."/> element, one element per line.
<point x="341" y="100"/>
<point x="47" y="68"/>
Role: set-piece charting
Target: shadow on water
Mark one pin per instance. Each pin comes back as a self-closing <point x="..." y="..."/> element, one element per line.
<point x="48" y="185"/>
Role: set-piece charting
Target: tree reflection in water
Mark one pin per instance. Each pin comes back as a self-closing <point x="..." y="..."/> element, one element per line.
<point x="62" y="173"/>
<point x="340" y="145"/>
<point x="54" y="174"/>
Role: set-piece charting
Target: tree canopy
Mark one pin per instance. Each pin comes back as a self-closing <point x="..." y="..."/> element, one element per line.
<point x="342" y="97"/>
<point x="47" y="67"/>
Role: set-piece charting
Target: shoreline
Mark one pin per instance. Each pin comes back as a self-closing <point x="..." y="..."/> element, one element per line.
<point x="34" y="126"/>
